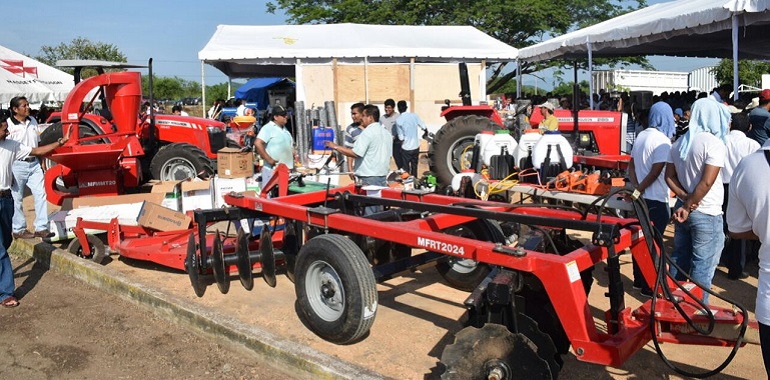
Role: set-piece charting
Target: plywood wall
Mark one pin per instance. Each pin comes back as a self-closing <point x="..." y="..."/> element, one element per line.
<point x="432" y="84"/>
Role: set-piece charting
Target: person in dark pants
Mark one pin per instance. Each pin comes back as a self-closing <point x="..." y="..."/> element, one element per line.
<point x="408" y="125"/>
<point x="645" y="169"/>
<point x="10" y="152"/>
<point x="738" y="147"/>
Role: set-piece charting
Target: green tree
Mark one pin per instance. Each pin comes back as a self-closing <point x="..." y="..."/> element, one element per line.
<point x="80" y="48"/>
<point x="749" y="72"/>
<point x="217" y="91"/>
<point x="518" y="23"/>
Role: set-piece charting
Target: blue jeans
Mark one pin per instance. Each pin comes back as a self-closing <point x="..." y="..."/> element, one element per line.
<point x="660" y="213"/>
<point x="7" y="286"/>
<point x="698" y="243"/>
<point x="29" y="174"/>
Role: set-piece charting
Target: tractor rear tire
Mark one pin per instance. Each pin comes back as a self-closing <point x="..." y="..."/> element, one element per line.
<point x="467" y="274"/>
<point x="446" y="153"/>
<point x="180" y="161"/>
<point x="336" y="290"/>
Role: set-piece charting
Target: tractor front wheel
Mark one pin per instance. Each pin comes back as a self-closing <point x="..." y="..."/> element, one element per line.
<point x="180" y="161"/>
<point x="452" y="145"/>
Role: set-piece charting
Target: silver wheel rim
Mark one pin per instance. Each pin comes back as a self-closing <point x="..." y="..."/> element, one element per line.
<point x="454" y="156"/>
<point x="175" y="166"/>
<point x="463" y="266"/>
<point x="324" y="290"/>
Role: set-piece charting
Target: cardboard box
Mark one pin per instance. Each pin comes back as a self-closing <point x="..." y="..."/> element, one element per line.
<point x="197" y="195"/>
<point x="116" y="200"/>
<point x="172" y="191"/>
<point x="232" y="163"/>
<point x="223" y="186"/>
<point x="62" y="223"/>
<point x="155" y="216"/>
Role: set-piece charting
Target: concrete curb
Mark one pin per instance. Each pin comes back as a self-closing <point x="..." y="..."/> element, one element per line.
<point x="309" y="363"/>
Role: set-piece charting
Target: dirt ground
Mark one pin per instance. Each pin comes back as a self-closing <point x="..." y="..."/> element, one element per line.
<point x="66" y="329"/>
<point x="417" y="317"/>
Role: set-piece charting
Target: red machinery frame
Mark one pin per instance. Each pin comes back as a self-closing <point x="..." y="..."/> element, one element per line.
<point x="560" y="275"/>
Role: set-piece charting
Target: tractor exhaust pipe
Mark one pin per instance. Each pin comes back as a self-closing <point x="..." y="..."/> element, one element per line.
<point x="465" y="85"/>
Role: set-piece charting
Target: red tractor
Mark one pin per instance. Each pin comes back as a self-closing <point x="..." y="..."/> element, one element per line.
<point x="116" y="150"/>
<point x="598" y="134"/>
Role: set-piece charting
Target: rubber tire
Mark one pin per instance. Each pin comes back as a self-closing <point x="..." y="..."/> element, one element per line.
<point x="54" y="133"/>
<point x="357" y="282"/>
<point x="201" y="165"/>
<point x="230" y="143"/>
<point x="455" y="133"/>
<point x="98" y="251"/>
<point x="484" y="230"/>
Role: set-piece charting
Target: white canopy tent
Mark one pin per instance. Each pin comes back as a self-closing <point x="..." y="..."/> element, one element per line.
<point x="21" y="75"/>
<point x="246" y="51"/>
<point x="704" y="28"/>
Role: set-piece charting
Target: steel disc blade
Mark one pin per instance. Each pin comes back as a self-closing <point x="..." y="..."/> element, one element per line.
<point x="292" y="237"/>
<point x="218" y="266"/>
<point x="243" y="263"/>
<point x="267" y="257"/>
<point x="192" y="266"/>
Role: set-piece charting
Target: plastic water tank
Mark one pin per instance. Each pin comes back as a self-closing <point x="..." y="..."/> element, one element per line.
<point x="526" y="145"/>
<point x="458" y="178"/>
<point x="479" y="141"/>
<point x="501" y="139"/>
<point x="552" y="139"/>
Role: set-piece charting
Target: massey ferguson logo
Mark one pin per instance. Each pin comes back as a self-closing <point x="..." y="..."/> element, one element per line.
<point x="18" y="68"/>
<point x="98" y="183"/>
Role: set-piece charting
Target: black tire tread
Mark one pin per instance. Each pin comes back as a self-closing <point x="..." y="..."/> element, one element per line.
<point x="195" y="154"/>
<point x="463" y="126"/>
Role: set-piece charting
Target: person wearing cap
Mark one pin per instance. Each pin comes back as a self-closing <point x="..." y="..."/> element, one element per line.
<point x="549" y="123"/>
<point x="759" y="116"/>
<point x="748" y="218"/>
<point x="275" y="144"/>
<point x="682" y="118"/>
<point x="10" y="152"/>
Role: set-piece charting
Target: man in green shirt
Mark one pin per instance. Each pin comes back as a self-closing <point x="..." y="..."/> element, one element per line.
<point x="371" y="151"/>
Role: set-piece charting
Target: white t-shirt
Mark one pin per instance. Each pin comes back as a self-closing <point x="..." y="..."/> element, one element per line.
<point x="748" y="211"/>
<point x="241" y="110"/>
<point x="651" y="147"/>
<point x="706" y="149"/>
<point x="24" y="132"/>
<point x="738" y="146"/>
<point x="10" y="151"/>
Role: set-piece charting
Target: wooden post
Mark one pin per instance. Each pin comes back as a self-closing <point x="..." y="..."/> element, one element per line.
<point x="411" y="84"/>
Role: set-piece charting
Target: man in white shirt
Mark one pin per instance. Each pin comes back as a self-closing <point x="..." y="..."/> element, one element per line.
<point x="10" y="152"/>
<point x="241" y="110"/>
<point x="648" y="158"/>
<point x="693" y="174"/>
<point x="27" y="172"/>
<point x="738" y="147"/>
<point x="748" y="218"/>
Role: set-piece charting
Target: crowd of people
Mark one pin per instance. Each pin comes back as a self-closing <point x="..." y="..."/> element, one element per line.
<point x="710" y="158"/>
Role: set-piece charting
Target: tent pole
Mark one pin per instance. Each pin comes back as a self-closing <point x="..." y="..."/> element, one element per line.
<point x="366" y="79"/>
<point x="411" y="82"/>
<point x="735" y="57"/>
<point x="590" y="75"/>
<point x="518" y="78"/>
<point x="229" y="87"/>
<point x="203" y="87"/>
<point x="575" y="96"/>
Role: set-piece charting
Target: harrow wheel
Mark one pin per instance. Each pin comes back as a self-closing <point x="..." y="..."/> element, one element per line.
<point x="267" y="257"/>
<point x="98" y="251"/>
<point x="493" y="352"/>
<point x="292" y="240"/>
<point x="546" y="349"/>
<point x="243" y="262"/>
<point x="218" y="266"/>
<point x="192" y="266"/>
<point x="466" y="274"/>
<point x="336" y="289"/>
